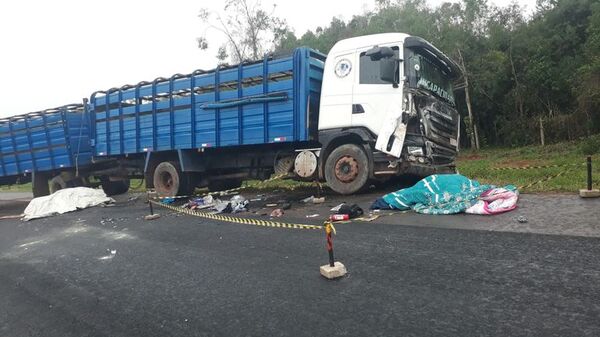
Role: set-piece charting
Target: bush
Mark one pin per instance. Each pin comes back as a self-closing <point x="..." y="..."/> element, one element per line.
<point x="590" y="146"/>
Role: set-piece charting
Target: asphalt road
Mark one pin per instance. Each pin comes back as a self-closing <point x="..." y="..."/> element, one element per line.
<point x="107" y="272"/>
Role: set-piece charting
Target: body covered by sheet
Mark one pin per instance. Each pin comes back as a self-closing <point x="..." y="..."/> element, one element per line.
<point x="451" y="194"/>
<point x="63" y="201"/>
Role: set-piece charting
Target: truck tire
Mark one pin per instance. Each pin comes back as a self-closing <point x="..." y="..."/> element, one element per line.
<point x="57" y="183"/>
<point x="39" y="185"/>
<point x="347" y="169"/>
<point x="114" y="187"/>
<point x="170" y="181"/>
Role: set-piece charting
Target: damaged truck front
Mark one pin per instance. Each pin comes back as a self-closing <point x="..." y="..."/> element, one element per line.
<point x="392" y="95"/>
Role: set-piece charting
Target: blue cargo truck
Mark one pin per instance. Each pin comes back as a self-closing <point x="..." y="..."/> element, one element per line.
<point x="377" y="106"/>
<point x="38" y="146"/>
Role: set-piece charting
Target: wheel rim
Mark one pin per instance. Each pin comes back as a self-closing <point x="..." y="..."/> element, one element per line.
<point x="346" y="169"/>
<point x="166" y="181"/>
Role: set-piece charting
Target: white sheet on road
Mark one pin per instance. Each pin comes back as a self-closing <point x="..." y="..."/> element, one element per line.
<point x="63" y="201"/>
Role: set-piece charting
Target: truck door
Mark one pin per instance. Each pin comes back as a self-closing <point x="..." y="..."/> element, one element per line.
<point x="377" y="105"/>
<point x="338" y="82"/>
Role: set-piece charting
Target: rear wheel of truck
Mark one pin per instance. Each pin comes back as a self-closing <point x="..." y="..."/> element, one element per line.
<point x="57" y="183"/>
<point x="170" y="181"/>
<point x="114" y="187"/>
<point x="40" y="185"/>
<point x="347" y="169"/>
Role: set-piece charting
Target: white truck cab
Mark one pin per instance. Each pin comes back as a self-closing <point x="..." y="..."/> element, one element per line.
<point x="386" y="108"/>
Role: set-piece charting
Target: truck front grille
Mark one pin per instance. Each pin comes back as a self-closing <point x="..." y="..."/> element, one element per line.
<point x="440" y="123"/>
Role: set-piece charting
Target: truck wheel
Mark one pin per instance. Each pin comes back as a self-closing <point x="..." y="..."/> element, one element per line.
<point x="39" y="184"/>
<point x="57" y="183"/>
<point x="115" y="187"/>
<point x="170" y="181"/>
<point x="347" y="169"/>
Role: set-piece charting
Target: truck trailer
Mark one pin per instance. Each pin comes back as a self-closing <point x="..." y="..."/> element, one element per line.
<point x="375" y="107"/>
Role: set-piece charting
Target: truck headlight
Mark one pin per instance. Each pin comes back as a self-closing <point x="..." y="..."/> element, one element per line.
<point x="415" y="150"/>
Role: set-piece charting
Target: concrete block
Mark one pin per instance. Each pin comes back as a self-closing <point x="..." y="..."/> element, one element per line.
<point x="152" y="216"/>
<point x="338" y="270"/>
<point x="585" y="193"/>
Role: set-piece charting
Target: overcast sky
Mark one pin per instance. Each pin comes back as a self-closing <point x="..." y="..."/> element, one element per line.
<point x="57" y="52"/>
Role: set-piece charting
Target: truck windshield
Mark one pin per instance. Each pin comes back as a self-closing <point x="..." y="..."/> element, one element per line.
<point x="425" y="74"/>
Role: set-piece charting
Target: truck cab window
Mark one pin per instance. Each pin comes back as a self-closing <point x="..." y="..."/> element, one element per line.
<point x="369" y="69"/>
<point x="426" y="74"/>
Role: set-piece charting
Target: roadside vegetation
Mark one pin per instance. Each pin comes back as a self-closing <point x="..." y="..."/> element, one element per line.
<point x="480" y="165"/>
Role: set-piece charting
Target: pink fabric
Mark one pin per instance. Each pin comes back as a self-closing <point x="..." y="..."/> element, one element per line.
<point x="495" y="201"/>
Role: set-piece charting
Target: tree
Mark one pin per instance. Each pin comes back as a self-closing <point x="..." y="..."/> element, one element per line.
<point x="249" y="30"/>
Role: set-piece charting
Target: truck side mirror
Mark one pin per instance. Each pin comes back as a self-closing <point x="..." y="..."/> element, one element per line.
<point x="388" y="70"/>
<point x="377" y="53"/>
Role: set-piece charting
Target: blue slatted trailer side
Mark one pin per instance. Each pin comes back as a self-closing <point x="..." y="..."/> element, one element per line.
<point x="248" y="104"/>
<point x="44" y="141"/>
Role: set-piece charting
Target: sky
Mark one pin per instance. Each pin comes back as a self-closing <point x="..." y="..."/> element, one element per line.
<point x="58" y="52"/>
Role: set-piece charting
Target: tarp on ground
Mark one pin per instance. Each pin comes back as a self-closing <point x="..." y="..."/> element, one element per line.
<point x="63" y="201"/>
<point x="450" y="194"/>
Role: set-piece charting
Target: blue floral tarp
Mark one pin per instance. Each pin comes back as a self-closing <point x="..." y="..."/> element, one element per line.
<point x="437" y="194"/>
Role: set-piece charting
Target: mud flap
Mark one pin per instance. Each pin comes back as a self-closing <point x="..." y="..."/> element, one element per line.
<point x="392" y="133"/>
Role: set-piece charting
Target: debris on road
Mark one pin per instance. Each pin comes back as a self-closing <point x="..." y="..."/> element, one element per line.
<point x="65" y="200"/>
<point x="276" y="213"/>
<point x="313" y="200"/>
<point x="522" y="219"/>
<point x="339" y="217"/>
<point x="352" y="211"/>
<point x="337" y="208"/>
<point x="312" y="215"/>
<point x="111" y="254"/>
<point x="238" y="203"/>
<point x="167" y="201"/>
<point x="368" y="218"/>
<point x="152" y="216"/>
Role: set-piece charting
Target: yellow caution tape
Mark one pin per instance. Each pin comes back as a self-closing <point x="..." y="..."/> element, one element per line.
<point x="245" y="221"/>
<point x="533" y="167"/>
<point x="545" y="179"/>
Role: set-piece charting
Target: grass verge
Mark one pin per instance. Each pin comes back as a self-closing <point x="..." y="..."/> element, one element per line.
<point x="479" y="165"/>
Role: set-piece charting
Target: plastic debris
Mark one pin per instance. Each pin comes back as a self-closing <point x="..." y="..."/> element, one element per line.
<point x="522" y="219"/>
<point x="313" y="200"/>
<point x="277" y="213"/>
<point x="337" y="208"/>
<point x="223" y="207"/>
<point x="309" y="199"/>
<point x="312" y="215"/>
<point x="167" y="200"/>
<point x="238" y="204"/>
